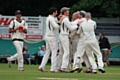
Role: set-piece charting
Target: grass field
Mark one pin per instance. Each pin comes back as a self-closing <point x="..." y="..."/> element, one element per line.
<point x="31" y="73"/>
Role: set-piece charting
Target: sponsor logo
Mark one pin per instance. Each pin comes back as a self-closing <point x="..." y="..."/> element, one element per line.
<point x="27" y="36"/>
<point x="5" y="21"/>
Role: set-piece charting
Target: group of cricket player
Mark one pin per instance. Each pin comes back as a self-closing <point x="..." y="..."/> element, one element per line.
<point x="77" y="42"/>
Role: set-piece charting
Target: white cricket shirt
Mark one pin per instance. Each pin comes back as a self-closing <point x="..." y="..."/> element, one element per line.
<point x="66" y="26"/>
<point x="73" y="34"/>
<point x="15" y="24"/>
<point x="86" y="30"/>
<point x="51" y="25"/>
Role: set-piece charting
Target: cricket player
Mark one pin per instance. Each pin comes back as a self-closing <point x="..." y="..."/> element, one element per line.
<point x="85" y="57"/>
<point x="65" y="27"/>
<point x="59" y="56"/>
<point x="50" y="39"/>
<point x="18" y="29"/>
<point x="91" y="44"/>
<point x="78" y="66"/>
<point x="60" y="49"/>
<point x="73" y="37"/>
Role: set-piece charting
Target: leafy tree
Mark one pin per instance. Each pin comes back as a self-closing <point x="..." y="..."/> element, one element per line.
<point x="99" y="8"/>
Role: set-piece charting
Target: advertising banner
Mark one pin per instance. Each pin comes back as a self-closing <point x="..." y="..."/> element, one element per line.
<point x="35" y="26"/>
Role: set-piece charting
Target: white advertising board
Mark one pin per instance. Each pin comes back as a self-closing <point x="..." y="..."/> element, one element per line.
<point x="35" y="26"/>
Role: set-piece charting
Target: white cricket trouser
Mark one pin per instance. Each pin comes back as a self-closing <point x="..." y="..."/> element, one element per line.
<point x="73" y="48"/>
<point x="65" y="44"/>
<point x="78" y="54"/>
<point x="93" y="46"/>
<point x="50" y="46"/>
<point x="81" y="53"/>
<point x="70" y="55"/>
<point x="74" y="45"/>
<point x="86" y="60"/>
<point x="19" y="56"/>
<point x="59" y="57"/>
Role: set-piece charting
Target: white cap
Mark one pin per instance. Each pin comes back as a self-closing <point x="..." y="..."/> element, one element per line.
<point x="64" y="9"/>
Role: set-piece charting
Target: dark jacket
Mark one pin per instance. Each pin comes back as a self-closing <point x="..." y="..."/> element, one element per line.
<point x="104" y="43"/>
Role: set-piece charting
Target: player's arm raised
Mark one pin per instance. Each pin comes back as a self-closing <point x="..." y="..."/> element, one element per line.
<point x="69" y="25"/>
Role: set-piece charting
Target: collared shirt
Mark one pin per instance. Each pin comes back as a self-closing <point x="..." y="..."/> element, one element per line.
<point x="42" y="53"/>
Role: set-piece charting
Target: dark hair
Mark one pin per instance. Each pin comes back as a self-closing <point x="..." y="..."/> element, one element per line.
<point x="52" y="9"/>
<point x="63" y="12"/>
<point x="24" y="49"/>
<point x="102" y="33"/>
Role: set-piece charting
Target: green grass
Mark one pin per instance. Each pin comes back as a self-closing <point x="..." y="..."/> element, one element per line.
<point x="31" y="73"/>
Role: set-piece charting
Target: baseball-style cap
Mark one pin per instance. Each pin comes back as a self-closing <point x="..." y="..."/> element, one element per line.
<point x="64" y="9"/>
<point x="18" y="12"/>
<point x="82" y="12"/>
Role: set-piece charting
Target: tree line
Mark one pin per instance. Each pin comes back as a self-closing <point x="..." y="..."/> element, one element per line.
<point x="98" y="8"/>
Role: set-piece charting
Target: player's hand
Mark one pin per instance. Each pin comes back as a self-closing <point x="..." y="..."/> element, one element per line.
<point x="109" y="51"/>
<point x="76" y="33"/>
<point x="60" y="16"/>
<point x="60" y="21"/>
<point x="21" y="28"/>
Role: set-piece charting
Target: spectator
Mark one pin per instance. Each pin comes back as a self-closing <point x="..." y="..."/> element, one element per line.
<point x="39" y="55"/>
<point x="105" y="48"/>
<point x="25" y="56"/>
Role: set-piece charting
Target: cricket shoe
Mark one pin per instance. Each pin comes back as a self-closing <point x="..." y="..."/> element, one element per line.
<point x="65" y="70"/>
<point x="101" y="70"/>
<point x="75" y="69"/>
<point x="40" y="69"/>
<point x="9" y="62"/>
<point x="21" y="69"/>
<point x="94" y="71"/>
